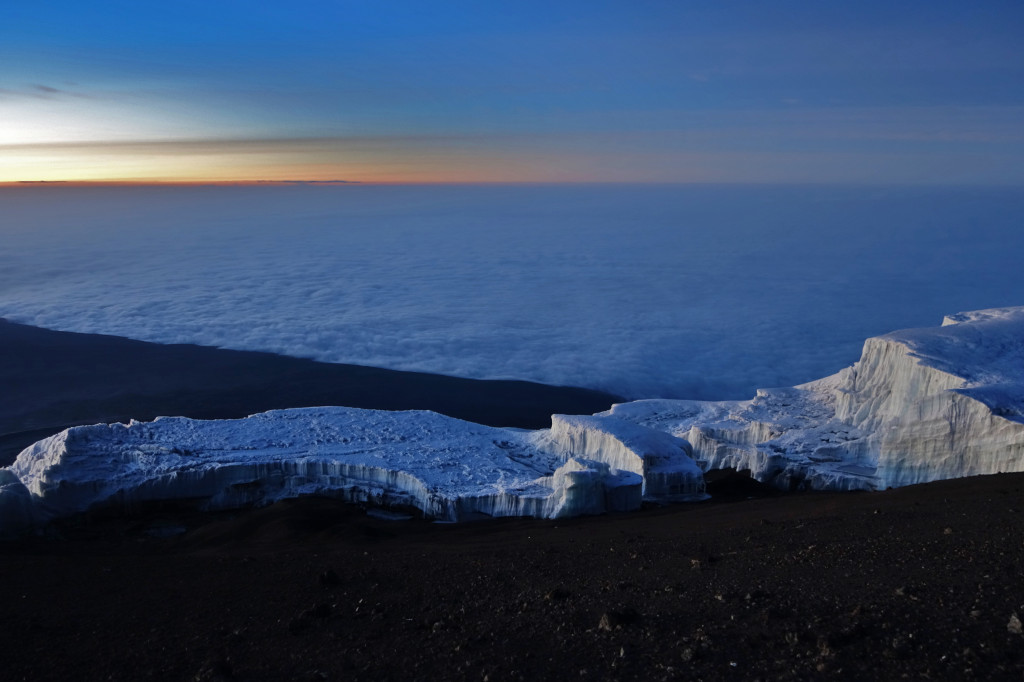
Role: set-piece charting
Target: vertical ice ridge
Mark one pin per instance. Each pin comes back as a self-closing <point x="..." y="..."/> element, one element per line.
<point x="663" y="461"/>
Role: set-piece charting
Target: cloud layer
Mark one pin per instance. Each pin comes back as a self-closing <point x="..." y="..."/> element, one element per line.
<point x="703" y="292"/>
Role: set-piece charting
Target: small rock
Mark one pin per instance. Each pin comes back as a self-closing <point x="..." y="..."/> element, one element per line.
<point x="615" y="620"/>
<point x="1014" y="626"/>
<point x="557" y="594"/>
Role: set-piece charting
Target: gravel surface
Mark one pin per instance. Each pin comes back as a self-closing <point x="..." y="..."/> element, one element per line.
<point x="917" y="583"/>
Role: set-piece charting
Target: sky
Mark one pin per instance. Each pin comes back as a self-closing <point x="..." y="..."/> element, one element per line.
<point x="914" y="92"/>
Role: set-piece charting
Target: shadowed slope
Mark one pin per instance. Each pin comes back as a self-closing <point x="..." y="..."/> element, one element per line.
<point x="53" y="380"/>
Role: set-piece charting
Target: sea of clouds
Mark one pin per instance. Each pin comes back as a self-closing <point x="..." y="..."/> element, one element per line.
<point x="674" y="291"/>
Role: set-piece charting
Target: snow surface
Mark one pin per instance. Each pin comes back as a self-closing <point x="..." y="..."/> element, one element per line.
<point x="643" y="291"/>
<point x="920" y="405"/>
<point x="450" y="469"/>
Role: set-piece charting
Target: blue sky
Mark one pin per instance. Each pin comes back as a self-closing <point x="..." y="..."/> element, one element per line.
<point x="907" y="92"/>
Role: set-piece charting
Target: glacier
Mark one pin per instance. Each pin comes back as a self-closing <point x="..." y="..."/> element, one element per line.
<point x="450" y="469"/>
<point x="919" y="405"/>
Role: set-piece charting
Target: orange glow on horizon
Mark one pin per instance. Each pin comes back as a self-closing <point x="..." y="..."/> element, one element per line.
<point x="388" y="173"/>
<point x="293" y="183"/>
<point x="314" y="161"/>
<point x="444" y="177"/>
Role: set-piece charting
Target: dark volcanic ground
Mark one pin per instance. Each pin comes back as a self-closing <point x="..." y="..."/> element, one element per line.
<point x="918" y="583"/>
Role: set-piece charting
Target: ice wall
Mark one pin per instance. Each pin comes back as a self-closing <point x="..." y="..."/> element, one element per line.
<point x="663" y="461"/>
<point x="920" y="405"/>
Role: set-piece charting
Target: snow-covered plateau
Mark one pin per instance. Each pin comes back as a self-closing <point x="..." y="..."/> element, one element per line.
<point x="920" y="405"/>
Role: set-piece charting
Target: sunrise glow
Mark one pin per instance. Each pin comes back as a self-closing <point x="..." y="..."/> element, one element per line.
<point x="101" y="92"/>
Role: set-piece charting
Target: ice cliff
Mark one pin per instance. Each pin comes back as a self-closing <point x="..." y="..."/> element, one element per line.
<point x="920" y="405"/>
<point x="663" y="462"/>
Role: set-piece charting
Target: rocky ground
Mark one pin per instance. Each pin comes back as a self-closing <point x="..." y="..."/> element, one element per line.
<point x="918" y="583"/>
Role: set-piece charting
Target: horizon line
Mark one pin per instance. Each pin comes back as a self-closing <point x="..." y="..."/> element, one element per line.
<point x="343" y="183"/>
